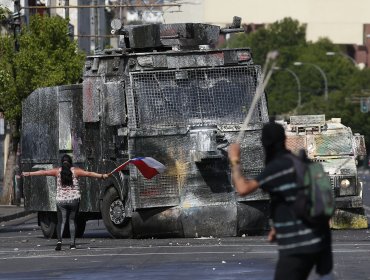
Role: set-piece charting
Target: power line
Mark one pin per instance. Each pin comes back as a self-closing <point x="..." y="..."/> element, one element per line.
<point x="103" y="6"/>
<point x="91" y="36"/>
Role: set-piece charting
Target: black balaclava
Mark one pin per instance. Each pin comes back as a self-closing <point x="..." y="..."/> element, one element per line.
<point x="273" y="140"/>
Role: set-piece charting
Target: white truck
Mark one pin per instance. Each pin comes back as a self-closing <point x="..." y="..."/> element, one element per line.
<point x="338" y="149"/>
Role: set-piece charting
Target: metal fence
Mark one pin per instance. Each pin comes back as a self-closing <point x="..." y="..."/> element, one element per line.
<point x="193" y="96"/>
<point x="162" y="190"/>
<point x="321" y="144"/>
<point x="334" y="144"/>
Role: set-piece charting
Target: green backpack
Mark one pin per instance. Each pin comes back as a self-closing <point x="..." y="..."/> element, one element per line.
<point x="315" y="201"/>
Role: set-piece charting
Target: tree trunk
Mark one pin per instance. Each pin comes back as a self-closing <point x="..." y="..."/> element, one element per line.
<point x="11" y="156"/>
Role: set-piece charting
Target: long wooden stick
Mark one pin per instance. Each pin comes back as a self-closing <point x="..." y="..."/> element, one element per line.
<point x="259" y="91"/>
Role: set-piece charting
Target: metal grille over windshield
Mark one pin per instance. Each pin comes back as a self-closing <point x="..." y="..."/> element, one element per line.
<point x="194" y="96"/>
<point x="334" y="144"/>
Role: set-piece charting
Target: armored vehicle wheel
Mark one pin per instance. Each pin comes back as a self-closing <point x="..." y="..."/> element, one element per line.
<point x="114" y="215"/>
<point x="48" y="223"/>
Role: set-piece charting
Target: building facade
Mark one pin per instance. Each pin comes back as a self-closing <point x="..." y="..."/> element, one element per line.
<point x="87" y="19"/>
<point x="343" y="22"/>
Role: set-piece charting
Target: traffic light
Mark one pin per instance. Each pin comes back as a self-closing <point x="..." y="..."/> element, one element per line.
<point x="364" y="105"/>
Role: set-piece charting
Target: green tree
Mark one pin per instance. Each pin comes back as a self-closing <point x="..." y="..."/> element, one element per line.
<point x="4" y="12"/>
<point x="288" y="37"/>
<point x="284" y="35"/>
<point x="47" y="57"/>
<point x="346" y="83"/>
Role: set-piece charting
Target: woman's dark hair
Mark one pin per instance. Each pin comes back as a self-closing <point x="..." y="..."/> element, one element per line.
<point x="66" y="173"/>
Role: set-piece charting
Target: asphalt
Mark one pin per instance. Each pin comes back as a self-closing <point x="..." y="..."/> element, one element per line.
<point x="11" y="212"/>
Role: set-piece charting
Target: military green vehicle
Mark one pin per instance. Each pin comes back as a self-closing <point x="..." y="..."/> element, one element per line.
<point x="338" y="149"/>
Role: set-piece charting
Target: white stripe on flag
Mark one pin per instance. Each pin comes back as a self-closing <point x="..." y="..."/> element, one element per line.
<point x="151" y="162"/>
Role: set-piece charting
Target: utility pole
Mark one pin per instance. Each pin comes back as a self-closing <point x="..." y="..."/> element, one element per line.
<point x="16" y="23"/>
<point x="96" y="24"/>
<point x="91" y="24"/>
<point x="105" y="6"/>
<point x="66" y="12"/>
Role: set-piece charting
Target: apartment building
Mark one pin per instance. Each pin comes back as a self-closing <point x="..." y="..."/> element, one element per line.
<point x="88" y="22"/>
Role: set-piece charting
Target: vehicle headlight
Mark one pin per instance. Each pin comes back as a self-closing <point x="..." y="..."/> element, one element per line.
<point x="347" y="186"/>
<point x="344" y="183"/>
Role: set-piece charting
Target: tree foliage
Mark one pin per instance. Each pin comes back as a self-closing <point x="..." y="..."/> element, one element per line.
<point x="4" y="12"/>
<point x="284" y="35"/>
<point x="346" y="83"/>
<point x="47" y="57"/>
<point x="7" y="79"/>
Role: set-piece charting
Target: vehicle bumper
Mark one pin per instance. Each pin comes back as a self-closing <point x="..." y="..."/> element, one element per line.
<point x="349" y="214"/>
<point x="349" y="202"/>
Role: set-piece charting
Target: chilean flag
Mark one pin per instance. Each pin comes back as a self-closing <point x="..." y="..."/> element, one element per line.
<point x="148" y="166"/>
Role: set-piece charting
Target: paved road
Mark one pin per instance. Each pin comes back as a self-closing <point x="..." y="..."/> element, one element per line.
<point x="25" y="254"/>
<point x="364" y="175"/>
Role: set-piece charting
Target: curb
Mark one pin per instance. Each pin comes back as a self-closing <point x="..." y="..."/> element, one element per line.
<point x="15" y="216"/>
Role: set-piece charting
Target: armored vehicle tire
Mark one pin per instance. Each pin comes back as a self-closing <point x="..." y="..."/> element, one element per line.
<point x="114" y="216"/>
<point x="48" y="223"/>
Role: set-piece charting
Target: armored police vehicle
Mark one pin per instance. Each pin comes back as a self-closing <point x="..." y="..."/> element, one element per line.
<point x="335" y="146"/>
<point x="167" y="93"/>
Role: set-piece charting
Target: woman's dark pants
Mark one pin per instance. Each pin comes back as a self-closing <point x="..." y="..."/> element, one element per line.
<point x="67" y="210"/>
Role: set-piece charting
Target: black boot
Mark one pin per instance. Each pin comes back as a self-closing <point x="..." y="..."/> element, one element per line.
<point x="59" y="246"/>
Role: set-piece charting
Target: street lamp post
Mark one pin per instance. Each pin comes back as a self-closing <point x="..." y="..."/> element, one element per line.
<point x="297" y="80"/>
<point x="344" y="55"/>
<point x="299" y="63"/>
